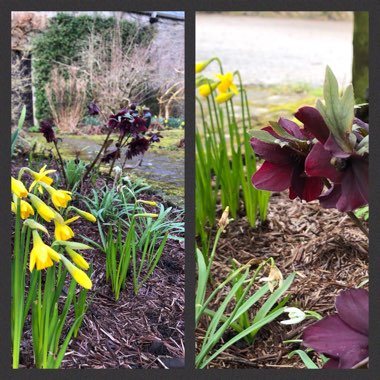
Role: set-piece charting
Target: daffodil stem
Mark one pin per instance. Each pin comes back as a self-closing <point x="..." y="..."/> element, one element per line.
<point x="62" y="165"/>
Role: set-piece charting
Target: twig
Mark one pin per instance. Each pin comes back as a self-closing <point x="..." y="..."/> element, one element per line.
<point x="358" y="223"/>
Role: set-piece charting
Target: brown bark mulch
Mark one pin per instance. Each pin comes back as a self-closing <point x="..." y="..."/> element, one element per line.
<point x="137" y="331"/>
<point x="325" y="249"/>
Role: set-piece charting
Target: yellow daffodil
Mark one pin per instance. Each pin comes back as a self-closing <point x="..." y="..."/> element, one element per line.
<point x="84" y="214"/>
<point x="206" y="89"/>
<point x="41" y="255"/>
<point x="25" y="209"/>
<point x="79" y="276"/>
<point x="149" y="203"/>
<point x="18" y="188"/>
<point x="224" y="96"/>
<point x="200" y="66"/>
<point x="226" y="83"/>
<point x="41" y="176"/>
<point x="60" y="198"/>
<point x="77" y="258"/>
<point x="46" y="212"/>
<point x="62" y="230"/>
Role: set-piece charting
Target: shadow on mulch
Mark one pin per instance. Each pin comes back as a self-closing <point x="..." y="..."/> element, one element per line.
<point x="326" y="250"/>
<point x="143" y="331"/>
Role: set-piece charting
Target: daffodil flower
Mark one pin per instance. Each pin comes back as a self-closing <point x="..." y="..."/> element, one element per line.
<point x="226" y="83"/>
<point x="200" y="66"/>
<point x="25" y="209"/>
<point x="79" y="276"/>
<point x="46" y="212"/>
<point x="206" y="89"/>
<point x="84" y="214"/>
<point x="295" y="316"/>
<point x="41" y="255"/>
<point x="18" y="188"/>
<point x="224" y="97"/>
<point x="41" y="176"/>
<point x="149" y="203"/>
<point x="62" y="230"/>
<point x="77" y="258"/>
<point x="60" y="198"/>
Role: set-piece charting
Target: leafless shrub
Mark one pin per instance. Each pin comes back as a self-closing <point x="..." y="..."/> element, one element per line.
<point x="21" y="83"/>
<point x="117" y="73"/>
<point x="67" y="98"/>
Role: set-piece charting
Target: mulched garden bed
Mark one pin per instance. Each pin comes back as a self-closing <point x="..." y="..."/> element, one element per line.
<point x="143" y="331"/>
<point x="326" y="250"/>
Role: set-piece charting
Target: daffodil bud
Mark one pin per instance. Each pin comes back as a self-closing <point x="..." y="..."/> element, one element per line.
<point x="42" y="208"/>
<point x="18" y="188"/>
<point x="33" y="225"/>
<point x="224" y="97"/>
<point x="77" y="258"/>
<point x="79" y="276"/>
<point x="150" y="203"/>
<point x="200" y="66"/>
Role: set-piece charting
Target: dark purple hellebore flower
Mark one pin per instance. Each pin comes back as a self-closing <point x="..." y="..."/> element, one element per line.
<point x="138" y="126"/>
<point x="284" y="165"/>
<point x="138" y="145"/>
<point x="347" y="171"/>
<point x="343" y="337"/>
<point x="122" y="121"/>
<point x="93" y="109"/>
<point x="46" y="128"/>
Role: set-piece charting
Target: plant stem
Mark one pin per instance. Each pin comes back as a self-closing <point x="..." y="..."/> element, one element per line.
<point x="62" y="164"/>
<point x="97" y="156"/>
<point x="357" y="221"/>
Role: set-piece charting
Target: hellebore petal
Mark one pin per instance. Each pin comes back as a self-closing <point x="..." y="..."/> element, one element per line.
<point x="332" y="146"/>
<point x="291" y="127"/>
<point x="332" y="336"/>
<point x="306" y="188"/>
<point x="331" y="197"/>
<point x="343" y="336"/>
<point x="318" y="164"/>
<point x="313" y="123"/>
<point x="271" y="152"/>
<point x="273" y="177"/>
<point x="352" y="306"/>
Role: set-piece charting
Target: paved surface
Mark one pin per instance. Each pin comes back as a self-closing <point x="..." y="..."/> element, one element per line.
<point x="273" y="50"/>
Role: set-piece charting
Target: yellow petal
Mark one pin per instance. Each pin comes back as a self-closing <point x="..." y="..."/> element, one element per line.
<point x="73" y="219"/>
<point x="18" y="188"/>
<point x="78" y="259"/>
<point x="222" y="98"/>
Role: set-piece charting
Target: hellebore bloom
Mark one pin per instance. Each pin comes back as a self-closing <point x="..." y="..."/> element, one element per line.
<point x="348" y="171"/>
<point x="226" y="83"/>
<point x="284" y="162"/>
<point x="138" y="145"/>
<point x="46" y="212"/>
<point x="46" y="128"/>
<point x="93" y="109"/>
<point x="25" y="209"/>
<point x="343" y="337"/>
<point x="138" y="125"/>
<point x="18" y="188"/>
<point x="41" y="254"/>
<point x="122" y="120"/>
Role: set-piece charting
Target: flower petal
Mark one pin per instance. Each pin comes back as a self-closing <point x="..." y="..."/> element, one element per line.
<point x="331" y="197"/>
<point x="318" y="164"/>
<point x="271" y="152"/>
<point x="306" y="188"/>
<point x="313" y="122"/>
<point x="352" y="306"/>
<point x="291" y="127"/>
<point x="273" y="177"/>
<point x="331" y="336"/>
